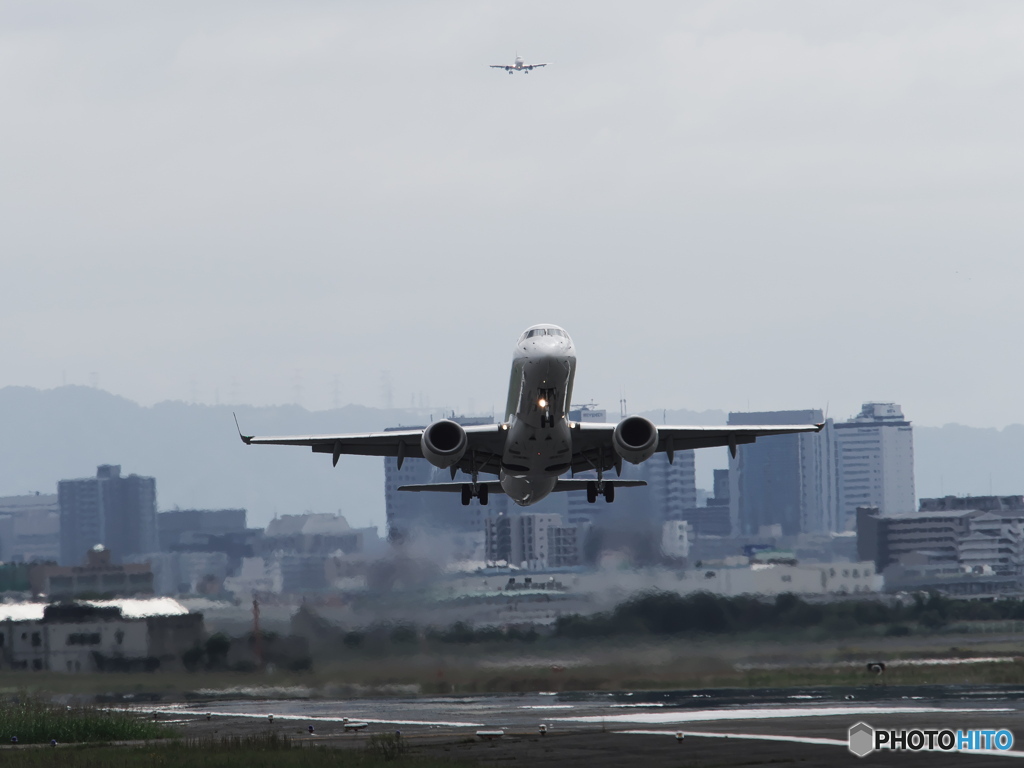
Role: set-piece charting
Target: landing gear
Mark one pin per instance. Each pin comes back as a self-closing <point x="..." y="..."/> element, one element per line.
<point x="468" y="494"/>
<point x="595" y="488"/>
<point x="546" y="404"/>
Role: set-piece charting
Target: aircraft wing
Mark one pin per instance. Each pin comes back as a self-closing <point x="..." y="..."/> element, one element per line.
<point x="533" y="66"/>
<point x="486" y="441"/>
<point x="500" y="66"/>
<point x="592" y="443"/>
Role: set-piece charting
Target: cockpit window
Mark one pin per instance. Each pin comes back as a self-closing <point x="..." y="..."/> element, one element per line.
<point x="544" y="332"/>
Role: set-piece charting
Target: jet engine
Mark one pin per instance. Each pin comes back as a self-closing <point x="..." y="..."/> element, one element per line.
<point x="443" y="443"/>
<point x="635" y="439"/>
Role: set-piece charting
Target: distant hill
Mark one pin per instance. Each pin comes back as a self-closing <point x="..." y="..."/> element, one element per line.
<point x="195" y="455"/>
<point x="968" y="461"/>
<point x="193" y="451"/>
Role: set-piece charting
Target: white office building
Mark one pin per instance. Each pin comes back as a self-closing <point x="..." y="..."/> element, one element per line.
<point x="875" y="462"/>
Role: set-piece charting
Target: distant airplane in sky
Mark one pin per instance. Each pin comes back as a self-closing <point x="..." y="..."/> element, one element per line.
<point x="519" y="66"/>
<point x="536" y="443"/>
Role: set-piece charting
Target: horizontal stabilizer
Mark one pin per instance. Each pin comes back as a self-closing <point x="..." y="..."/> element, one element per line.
<point x="581" y="485"/>
<point x="493" y="486"/>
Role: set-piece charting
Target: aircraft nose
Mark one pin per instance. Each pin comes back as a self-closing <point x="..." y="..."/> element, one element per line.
<point x="551" y="347"/>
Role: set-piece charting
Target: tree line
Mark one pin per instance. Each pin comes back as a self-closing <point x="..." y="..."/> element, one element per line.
<point x="669" y="613"/>
<point x="659" y="613"/>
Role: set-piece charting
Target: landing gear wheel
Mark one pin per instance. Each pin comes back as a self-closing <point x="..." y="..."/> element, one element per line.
<point x="482" y="495"/>
<point x="467" y="494"/>
<point x="609" y="493"/>
<point x="591" y="493"/>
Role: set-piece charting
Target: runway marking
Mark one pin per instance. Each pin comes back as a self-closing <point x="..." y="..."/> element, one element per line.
<point x="704" y="715"/>
<point x="810" y="740"/>
<point x="761" y="737"/>
<point x="200" y="714"/>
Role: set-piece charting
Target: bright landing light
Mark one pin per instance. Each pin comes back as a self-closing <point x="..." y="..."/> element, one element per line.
<point x="542" y="403"/>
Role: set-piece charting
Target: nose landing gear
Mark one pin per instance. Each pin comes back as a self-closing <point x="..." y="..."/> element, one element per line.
<point x="546" y="404"/>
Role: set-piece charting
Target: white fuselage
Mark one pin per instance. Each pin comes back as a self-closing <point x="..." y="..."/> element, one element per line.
<point x="538" y="447"/>
<point x="519" y="63"/>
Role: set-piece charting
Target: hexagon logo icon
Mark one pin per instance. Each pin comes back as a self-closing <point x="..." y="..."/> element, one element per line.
<point x="862" y="739"/>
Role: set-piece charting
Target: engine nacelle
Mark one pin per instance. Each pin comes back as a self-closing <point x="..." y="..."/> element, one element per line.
<point x="443" y="443"/>
<point x="635" y="439"/>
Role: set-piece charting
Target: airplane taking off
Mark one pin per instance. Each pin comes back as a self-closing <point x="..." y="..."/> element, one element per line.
<point x="519" y="66"/>
<point x="536" y="443"/>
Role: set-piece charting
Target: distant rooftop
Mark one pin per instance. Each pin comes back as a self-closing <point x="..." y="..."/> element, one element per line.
<point x="307" y="525"/>
<point x="986" y="503"/>
<point x="130" y="608"/>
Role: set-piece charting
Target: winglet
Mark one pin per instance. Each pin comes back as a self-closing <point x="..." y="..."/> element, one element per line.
<point x="245" y="438"/>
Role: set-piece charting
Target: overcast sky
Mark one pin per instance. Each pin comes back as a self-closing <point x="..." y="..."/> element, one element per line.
<point x="730" y="205"/>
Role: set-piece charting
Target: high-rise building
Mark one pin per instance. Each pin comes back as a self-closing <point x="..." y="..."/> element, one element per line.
<point x="721" y="494"/>
<point x="671" y="487"/>
<point x="531" y="540"/>
<point x="29" y="528"/>
<point x="784" y="480"/>
<point x="875" y="462"/>
<point x="117" y="512"/>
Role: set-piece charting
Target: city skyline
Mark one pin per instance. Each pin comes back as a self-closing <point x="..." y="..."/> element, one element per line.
<point x="200" y="462"/>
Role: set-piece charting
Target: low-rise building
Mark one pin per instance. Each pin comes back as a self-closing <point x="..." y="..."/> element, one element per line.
<point x="885" y="539"/>
<point x="779" y="578"/>
<point x="97" y="636"/>
<point x="97" y="578"/>
<point x="186" y="573"/>
<point x="316" y="534"/>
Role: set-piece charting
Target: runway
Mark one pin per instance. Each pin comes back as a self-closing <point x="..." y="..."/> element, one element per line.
<point x="724" y="728"/>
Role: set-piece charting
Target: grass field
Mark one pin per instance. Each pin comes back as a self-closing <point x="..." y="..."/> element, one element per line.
<point x="261" y="751"/>
<point x="563" y="665"/>
<point x="34" y="720"/>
